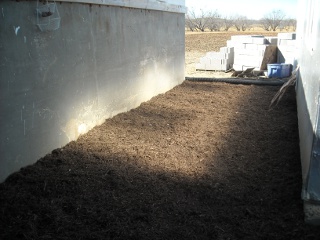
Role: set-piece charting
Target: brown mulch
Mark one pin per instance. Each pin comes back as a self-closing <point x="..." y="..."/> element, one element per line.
<point x="202" y="161"/>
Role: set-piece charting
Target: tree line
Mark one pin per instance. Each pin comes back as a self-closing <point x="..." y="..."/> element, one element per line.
<point x="213" y="21"/>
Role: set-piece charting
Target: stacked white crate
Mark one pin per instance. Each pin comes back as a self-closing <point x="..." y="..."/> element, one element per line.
<point x="217" y="61"/>
<point x="249" y="51"/>
<point x="286" y="48"/>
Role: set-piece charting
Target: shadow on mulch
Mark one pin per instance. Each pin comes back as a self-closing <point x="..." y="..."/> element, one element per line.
<point x="202" y="161"/>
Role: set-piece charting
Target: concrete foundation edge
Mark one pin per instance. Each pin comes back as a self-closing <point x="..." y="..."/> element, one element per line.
<point x="312" y="213"/>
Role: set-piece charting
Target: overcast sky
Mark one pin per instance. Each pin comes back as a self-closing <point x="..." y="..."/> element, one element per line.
<point x="253" y="9"/>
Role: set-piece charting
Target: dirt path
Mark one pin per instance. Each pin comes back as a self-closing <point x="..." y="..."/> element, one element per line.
<point x="202" y="161"/>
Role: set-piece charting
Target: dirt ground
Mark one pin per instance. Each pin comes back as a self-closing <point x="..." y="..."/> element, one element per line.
<point x="202" y="161"/>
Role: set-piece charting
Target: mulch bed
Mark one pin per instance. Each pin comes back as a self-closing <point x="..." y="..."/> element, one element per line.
<point x="202" y="161"/>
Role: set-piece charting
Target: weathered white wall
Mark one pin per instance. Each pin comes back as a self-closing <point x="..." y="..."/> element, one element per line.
<point x="308" y="100"/>
<point x="101" y="61"/>
<point x="177" y="6"/>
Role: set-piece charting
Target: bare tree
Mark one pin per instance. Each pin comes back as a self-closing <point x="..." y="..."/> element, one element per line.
<point x="241" y="23"/>
<point x="265" y="24"/>
<point x="292" y="23"/>
<point x="214" y="21"/>
<point x="197" y="21"/>
<point x="251" y="24"/>
<point x="272" y="21"/>
<point x="190" y="22"/>
<point x="227" y="22"/>
<point x="284" y="25"/>
<point x="288" y="24"/>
